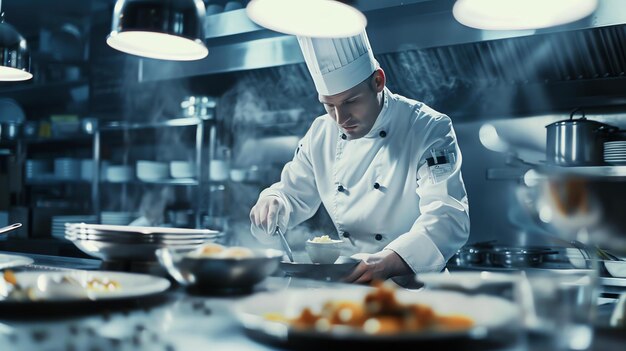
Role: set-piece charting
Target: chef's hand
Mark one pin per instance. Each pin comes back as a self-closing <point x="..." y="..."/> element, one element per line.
<point x="378" y="266"/>
<point x="268" y="212"/>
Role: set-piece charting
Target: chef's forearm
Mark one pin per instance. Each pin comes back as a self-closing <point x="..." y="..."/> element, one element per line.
<point x="395" y="264"/>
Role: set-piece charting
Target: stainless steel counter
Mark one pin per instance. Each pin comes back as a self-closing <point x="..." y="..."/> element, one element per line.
<point x="177" y="320"/>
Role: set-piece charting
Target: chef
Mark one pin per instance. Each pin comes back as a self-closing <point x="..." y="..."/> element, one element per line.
<point x="386" y="168"/>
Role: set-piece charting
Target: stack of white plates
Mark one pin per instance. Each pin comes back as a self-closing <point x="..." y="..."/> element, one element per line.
<point x="117" y="218"/>
<point x="615" y="152"/>
<point x="132" y="243"/>
<point x="58" y="223"/>
<point x="35" y="168"/>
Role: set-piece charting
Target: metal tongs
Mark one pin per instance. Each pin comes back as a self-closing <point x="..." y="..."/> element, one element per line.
<point x="284" y="242"/>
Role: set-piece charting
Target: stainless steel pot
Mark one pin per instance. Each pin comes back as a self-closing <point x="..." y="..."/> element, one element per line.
<point x="577" y="142"/>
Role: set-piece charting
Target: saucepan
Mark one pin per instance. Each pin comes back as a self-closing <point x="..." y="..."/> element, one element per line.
<point x="577" y="142"/>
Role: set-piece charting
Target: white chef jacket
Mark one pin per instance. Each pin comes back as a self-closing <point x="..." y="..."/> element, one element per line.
<point x="378" y="189"/>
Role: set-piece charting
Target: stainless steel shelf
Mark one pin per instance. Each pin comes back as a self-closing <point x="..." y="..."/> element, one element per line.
<point x="591" y="171"/>
<point x="181" y="181"/>
<point x="176" y="122"/>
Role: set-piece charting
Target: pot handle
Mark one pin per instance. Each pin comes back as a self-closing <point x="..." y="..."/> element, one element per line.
<point x="577" y="109"/>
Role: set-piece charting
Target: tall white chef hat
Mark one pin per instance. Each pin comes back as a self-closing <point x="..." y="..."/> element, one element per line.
<point x="338" y="64"/>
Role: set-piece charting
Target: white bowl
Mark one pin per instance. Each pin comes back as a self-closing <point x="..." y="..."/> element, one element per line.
<point x="182" y="169"/>
<point x="323" y="253"/>
<point x="119" y="174"/>
<point x="237" y="175"/>
<point x="576" y="258"/>
<point x="151" y="171"/>
<point x="616" y="268"/>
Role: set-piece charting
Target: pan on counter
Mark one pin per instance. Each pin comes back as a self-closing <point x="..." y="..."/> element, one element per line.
<point x="303" y="268"/>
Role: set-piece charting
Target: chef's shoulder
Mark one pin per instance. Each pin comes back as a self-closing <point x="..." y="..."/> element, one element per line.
<point x="322" y="128"/>
<point x="428" y="122"/>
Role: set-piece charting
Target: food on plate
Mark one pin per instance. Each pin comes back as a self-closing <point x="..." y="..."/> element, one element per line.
<point x="46" y="287"/>
<point x="104" y="284"/>
<point x="210" y="249"/>
<point x="379" y="313"/>
<point x="238" y="252"/>
<point x="219" y="251"/>
<point x="324" y="239"/>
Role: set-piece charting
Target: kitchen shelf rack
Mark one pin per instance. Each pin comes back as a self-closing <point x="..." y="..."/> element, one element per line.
<point x="617" y="173"/>
<point x="205" y="138"/>
<point x="181" y="182"/>
<point x="176" y="122"/>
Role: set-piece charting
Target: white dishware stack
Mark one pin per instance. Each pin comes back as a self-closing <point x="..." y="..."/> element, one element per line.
<point x="58" y="223"/>
<point x="36" y="169"/>
<point x="117" y="218"/>
<point x="182" y="169"/>
<point x="67" y="168"/>
<point x="133" y="243"/>
<point x="615" y="152"/>
<point x="119" y="173"/>
<point x="150" y="171"/>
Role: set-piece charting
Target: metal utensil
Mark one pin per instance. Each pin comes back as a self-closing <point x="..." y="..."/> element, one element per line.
<point x="10" y="227"/>
<point x="284" y="242"/>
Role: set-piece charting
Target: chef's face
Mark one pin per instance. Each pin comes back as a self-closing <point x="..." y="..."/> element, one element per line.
<point x="355" y="110"/>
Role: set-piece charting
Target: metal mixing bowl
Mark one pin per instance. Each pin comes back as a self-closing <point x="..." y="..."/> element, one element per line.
<point x="219" y="274"/>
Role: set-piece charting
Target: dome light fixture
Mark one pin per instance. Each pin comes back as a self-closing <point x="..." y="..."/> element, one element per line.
<point x="159" y="29"/>
<point x="520" y="14"/>
<point x="14" y="55"/>
<point x="311" y="18"/>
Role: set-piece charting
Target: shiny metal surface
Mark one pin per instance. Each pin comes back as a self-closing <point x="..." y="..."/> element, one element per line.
<point x="327" y="272"/>
<point x="284" y="243"/>
<point x="219" y="273"/>
<point x="14" y="53"/>
<point x="183" y="18"/>
<point x="576" y="142"/>
<point x="242" y="45"/>
<point x="517" y="257"/>
<point x="116" y="251"/>
<point x="10" y="228"/>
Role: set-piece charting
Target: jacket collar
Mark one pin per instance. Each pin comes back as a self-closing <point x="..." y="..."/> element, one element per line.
<point x="383" y="119"/>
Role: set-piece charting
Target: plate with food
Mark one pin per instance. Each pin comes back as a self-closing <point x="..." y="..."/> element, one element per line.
<point x="380" y="314"/>
<point x="58" y="288"/>
<point x="10" y="261"/>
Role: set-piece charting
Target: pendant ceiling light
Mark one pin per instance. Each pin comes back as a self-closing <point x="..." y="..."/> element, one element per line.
<point x="160" y="29"/>
<point x="311" y="18"/>
<point x="14" y="56"/>
<point x="521" y="14"/>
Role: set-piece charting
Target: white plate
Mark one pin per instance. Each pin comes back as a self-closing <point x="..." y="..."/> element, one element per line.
<point x="137" y="229"/>
<point x="9" y="261"/>
<point x="289" y="303"/>
<point x="130" y="285"/>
